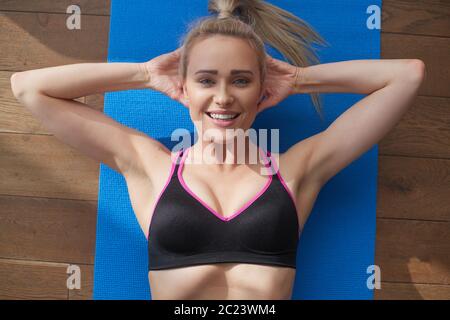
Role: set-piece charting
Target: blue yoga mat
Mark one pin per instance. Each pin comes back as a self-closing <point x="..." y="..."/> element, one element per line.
<point x="338" y="241"/>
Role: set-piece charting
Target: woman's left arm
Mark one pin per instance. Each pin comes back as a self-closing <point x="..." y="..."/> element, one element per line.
<point x="391" y="85"/>
<point x="357" y="76"/>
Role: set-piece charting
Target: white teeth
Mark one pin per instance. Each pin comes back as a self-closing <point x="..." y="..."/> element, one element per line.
<point x="222" y="116"/>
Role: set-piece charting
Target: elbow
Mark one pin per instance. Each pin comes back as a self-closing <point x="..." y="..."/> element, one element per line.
<point x="19" y="88"/>
<point x="14" y="84"/>
<point x="415" y="71"/>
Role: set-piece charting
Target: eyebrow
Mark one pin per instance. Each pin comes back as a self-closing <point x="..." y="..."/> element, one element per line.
<point x="234" y="71"/>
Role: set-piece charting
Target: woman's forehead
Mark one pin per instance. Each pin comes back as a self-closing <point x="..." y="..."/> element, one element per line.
<point x="223" y="59"/>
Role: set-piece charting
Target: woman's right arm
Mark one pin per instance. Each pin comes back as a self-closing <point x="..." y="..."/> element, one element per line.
<point x="73" y="81"/>
<point x="48" y="94"/>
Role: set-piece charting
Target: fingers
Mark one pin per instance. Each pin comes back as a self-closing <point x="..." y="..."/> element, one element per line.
<point x="174" y="54"/>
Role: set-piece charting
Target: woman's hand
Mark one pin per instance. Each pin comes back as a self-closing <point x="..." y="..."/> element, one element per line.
<point x="281" y="77"/>
<point x="164" y="77"/>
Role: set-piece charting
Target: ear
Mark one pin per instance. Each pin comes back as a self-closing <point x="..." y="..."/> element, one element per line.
<point x="185" y="96"/>
<point x="261" y="98"/>
<point x="185" y="91"/>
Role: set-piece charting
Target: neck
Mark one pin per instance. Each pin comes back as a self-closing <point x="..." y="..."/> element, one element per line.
<point x="226" y="156"/>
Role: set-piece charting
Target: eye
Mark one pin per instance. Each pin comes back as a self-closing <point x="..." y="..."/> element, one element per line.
<point x="246" y="81"/>
<point x="202" y="81"/>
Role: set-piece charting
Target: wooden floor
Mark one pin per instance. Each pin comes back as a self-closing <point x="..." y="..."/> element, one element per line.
<point x="48" y="191"/>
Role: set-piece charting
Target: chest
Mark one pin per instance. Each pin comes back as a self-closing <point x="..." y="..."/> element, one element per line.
<point x="223" y="196"/>
<point x="182" y="225"/>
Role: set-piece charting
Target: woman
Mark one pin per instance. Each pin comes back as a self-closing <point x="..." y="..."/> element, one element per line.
<point x="225" y="228"/>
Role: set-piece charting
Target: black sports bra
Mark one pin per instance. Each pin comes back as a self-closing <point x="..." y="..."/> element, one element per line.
<point x="185" y="231"/>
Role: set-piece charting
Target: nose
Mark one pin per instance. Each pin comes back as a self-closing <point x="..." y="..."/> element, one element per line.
<point x="222" y="97"/>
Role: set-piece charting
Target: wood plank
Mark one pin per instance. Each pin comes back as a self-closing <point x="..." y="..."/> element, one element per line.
<point x="416" y="17"/>
<point x="413" y="188"/>
<point x="413" y="251"/>
<point x="47" y="229"/>
<point x="87" y="284"/>
<point x="38" y="40"/>
<point x="433" y="51"/>
<point x="411" y="291"/>
<point x="424" y="131"/>
<point x="33" y="280"/>
<point x="98" y="7"/>
<point x="42" y="166"/>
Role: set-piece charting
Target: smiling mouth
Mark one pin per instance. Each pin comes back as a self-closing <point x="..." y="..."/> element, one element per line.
<point x="226" y="119"/>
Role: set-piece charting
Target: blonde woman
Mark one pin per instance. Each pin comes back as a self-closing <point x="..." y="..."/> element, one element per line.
<point x="222" y="227"/>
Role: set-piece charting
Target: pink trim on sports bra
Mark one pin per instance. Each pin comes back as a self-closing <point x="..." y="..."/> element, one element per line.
<point x="172" y="169"/>
<point x="282" y="181"/>
<point x="245" y="206"/>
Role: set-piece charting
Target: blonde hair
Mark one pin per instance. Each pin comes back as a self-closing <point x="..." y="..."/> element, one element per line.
<point x="257" y="22"/>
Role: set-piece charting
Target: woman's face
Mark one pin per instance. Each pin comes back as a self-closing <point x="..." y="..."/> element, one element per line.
<point x="220" y="89"/>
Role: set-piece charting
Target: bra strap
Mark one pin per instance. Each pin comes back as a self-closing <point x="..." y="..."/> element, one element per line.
<point x="272" y="165"/>
<point x="177" y="159"/>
